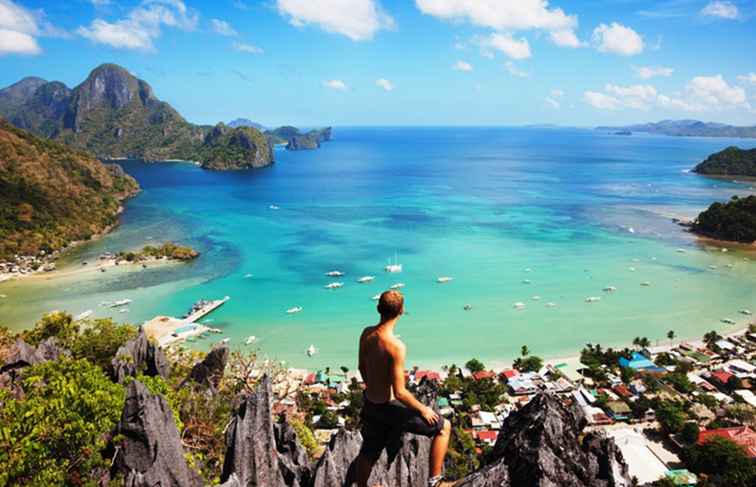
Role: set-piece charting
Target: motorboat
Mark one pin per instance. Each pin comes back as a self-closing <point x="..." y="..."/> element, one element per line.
<point x="366" y="279"/>
<point x="728" y="321"/>
<point x="713" y="267"/>
<point x="274" y="207"/>
<point x="444" y="279"/>
<point x="610" y="289"/>
<point x="536" y="298"/>
<point x="646" y="284"/>
<point x="592" y="299"/>
<point x="746" y="312"/>
<point x="526" y="281"/>
<point x="250" y="340"/>
<point x="334" y="285"/>
<point x="121" y="302"/>
<point x="84" y="315"/>
<point x="247" y="276"/>
<point x="398" y="285"/>
<point x="311" y="350"/>
<point x="334" y="274"/>
<point x="225" y="341"/>
<point x="681" y="251"/>
<point x="519" y="306"/>
<point x="295" y="309"/>
<point x="467" y="307"/>
<point x="124" y="310"/>
<point x="551" y="305"/>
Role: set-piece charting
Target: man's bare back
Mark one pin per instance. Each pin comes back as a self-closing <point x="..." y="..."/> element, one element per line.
<point x="379" y="350"/>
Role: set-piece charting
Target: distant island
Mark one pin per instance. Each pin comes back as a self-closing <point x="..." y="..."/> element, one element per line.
<point x="732" y="161"/>
<point x="245" y="122"/>
<point x="734" y="221"/>
<point x="114" y="115"/>
<point x="687" y="128"/>
<point x="167" y="250"/>
<point x="296" y="140"/>
<point x="51" y="196"/>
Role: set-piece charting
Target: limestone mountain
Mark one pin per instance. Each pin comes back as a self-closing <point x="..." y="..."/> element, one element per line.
<point x="116" y="115"/>
<point x="51" y="194"/>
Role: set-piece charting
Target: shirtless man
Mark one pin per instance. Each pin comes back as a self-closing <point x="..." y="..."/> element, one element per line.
<point x="389" y="406"/>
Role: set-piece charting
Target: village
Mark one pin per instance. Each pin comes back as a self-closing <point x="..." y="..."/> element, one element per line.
<point x="655" y="402"/>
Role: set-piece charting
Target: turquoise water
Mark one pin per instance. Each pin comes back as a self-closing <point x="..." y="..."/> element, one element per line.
<point x="490" y="207"/>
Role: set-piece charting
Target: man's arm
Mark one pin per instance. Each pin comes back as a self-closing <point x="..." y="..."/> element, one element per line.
<point x="400" y="390"/>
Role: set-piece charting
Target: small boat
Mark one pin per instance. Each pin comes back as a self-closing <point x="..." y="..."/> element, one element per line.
<point x="376" y="297"/>
<point x="247" y="276"/>
<point x="536" y="298"/>
<point x="3" y="296"/>
<point x="728" y="321"/>
<point x="724" y="250"/>
<point x="225" y="341"/>
<point x="528" y="269"/>
<point x="467" y="307"/>
<point x="746" y="312"/>
<point x="121" y="302"/>
<point x="84" y="315"/>
<point x="526" y="281"/>
<point x="250" y="340"/>
<point x="398" y="285"/>
<point x="713" y="267"/>
<point x="681" y="251"/>
<point x="551" y="305"/>
<point x="274" y="207"/>
<point x="610" y="289"/>
<point x="365" y="279"/>
<point x="334" y="274"/>
<point x="636" y="260"/>
<point x="730" y="266"/>
<point x="646" y="284"/>
<point x="592" y="299"/>
<point x="295" y="309"/>
<point x="631" y="230"/>
<point x="311" y="350"/>
<point x="393" y="268"/>
<point x="631" y="269"/>
<point x="444" y="279"/>
<point x="334" y="285"/>
<point x="518" y="306"/>
<point x="124" y="310"/>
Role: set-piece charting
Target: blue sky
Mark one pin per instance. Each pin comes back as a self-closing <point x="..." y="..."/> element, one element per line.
<point x="404" y="62"/>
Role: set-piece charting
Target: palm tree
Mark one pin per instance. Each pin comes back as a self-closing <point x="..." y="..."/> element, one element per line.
<point x="671" y="336"/>
<point x="524" y="351"/>
<point x="644" y="342"/>
<point x="711" y="338"/>
<point x="636" y="341"/>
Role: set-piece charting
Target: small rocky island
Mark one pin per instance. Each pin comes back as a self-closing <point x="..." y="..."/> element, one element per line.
<point x="166" y="251"/>
<point x="733" y="221"/>
<point x="296" y="140"/>
<point x="732" y="161"/>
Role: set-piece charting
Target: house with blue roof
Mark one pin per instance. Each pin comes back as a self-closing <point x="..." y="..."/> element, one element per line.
<point x="641" y="363"/>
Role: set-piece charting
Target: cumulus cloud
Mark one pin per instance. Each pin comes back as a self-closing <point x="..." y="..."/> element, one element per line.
<point x="385" y="84"/>
<point x="748" y="78"/>
<point x="18" y="30"/>
<point x="514" y="70"/>
<point x="723" y="10"/>
<point x="701" y="94"/>
<point x="142" y="25"/>
<point x="359" y="20"/>
<point x="223" y="28"/>
<point x="648" y="72"/>
<point x="462" y="66"/>
<point x="505" y="43"/>
<point x="248" y="48"/>
<point x="617" y="39"/>
<point x="507" y="16"/>
<point x="553" y="103"/>
<point x="335" y="84"/>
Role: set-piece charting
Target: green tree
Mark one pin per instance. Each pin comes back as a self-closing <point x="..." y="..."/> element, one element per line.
<point x="671" y="335"/>
<point x="528" y="364"/>
<point x="475" y="365"/>
<point x="524" y="351"/>
<point x="56" y="324"/>
<point x="689" y="432"/>
<point x="711" y="338"/>
<point x="671" y="416"/>
<point x="55" y="433"/>
<point x="99" y="341"/>
<point x="463" y="456"/>
<point x="725" y="462"/>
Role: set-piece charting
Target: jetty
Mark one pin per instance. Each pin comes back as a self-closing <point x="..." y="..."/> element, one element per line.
<point x="167" y="330"/>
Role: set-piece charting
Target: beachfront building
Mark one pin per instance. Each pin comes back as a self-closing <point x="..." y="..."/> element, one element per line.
<point x="741" y="435"/>
<point x="642" y="462"/>
<point x="641" y="363"/>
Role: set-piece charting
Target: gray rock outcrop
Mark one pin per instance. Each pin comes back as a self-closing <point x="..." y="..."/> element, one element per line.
<point x="139" y="355"/>
<point x="209" y="372"/>
<point x="23" y="355"/>
<point x="149" y="449"/>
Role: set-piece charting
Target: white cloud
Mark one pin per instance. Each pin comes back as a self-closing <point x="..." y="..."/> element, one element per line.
<point x="724" y="10"/>
<point x="18" y="29"/>
<point x="565" y="38"/>
<point x="513" y="48"/>
<point x="601" y="100"/>
<point x="553" y="103"/>
<point x="248" y="48"/>
<point x="701" y="94"/>
<point x="385" y="84"/>
<point x="617" y="39"/>
<point x="514" y="70"/>
<point x="557" y="93"/>
<point x="648" y="72"/>
<point x="748" y="78"/>
<point x="142" y="25"/>
<point x="359" y="20"/>
<point x="501" y="15"/>
<point x="462" y="66"/>
<point x="335" y="84"/>
<point x="223" y="28"/>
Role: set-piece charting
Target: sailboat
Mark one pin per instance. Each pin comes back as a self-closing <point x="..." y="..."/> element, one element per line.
<point x="395" y="267"/>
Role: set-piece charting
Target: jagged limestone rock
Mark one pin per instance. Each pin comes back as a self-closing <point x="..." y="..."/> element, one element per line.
<point x="209" y="372"/>
<point x="138" y="355"/>
<point x="149" y="449"/>
<point x="251" y="453"/>
<point x="295" y="464"/>
<point x="23" y="355"/>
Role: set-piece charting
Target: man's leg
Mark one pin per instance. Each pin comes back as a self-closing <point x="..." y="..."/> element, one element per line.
<point x="438" y="449"/>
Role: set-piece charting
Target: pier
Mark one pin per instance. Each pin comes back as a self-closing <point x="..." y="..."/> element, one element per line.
<point x="167" y="330"/>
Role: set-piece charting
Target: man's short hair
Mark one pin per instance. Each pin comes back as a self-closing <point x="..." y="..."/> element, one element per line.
<point x="391" y="304"/>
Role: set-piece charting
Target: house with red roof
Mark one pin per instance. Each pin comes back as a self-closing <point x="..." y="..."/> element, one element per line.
<point x="487" y="436"/>
<point x="508" y="374"/>
<point x="427" y="374"/>
<point x="483" y="374"/>
<point x="741" y="435"/>
<point x="721" y="376"/>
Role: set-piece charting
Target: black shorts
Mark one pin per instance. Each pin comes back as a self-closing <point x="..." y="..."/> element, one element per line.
<point x="383" y="425"/>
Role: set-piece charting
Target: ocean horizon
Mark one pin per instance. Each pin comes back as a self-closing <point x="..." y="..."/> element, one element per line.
<point x="513" y="214"/>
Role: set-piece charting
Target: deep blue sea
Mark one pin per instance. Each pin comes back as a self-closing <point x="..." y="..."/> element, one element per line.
<point x="514" y="215"/>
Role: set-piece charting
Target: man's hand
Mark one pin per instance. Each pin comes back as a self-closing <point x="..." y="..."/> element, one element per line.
<point x="429" y="415"/>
